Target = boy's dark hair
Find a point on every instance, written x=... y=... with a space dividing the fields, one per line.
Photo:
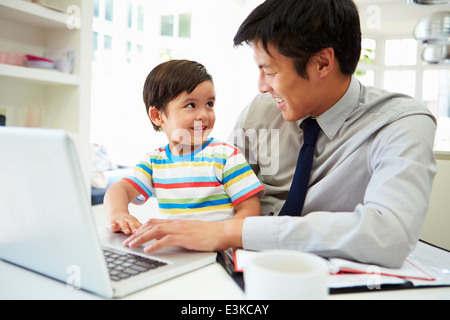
x=301 y=28
x=169 y=79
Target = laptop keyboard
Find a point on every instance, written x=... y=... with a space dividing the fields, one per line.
x=125 y=265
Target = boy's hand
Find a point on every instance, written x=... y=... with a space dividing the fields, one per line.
x=116 y=202
x=125 y=223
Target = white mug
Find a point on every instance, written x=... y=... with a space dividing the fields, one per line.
x=286 y=275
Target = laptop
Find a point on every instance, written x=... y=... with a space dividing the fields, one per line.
x=48 y=226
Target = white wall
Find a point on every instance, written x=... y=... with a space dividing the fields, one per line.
x=437 y=224
x=118 y=113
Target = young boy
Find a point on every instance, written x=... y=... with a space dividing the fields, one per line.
x=193 y=177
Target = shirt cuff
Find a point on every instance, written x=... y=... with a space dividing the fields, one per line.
x=260 y=233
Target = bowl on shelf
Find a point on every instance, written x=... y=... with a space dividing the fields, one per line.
x=12 y=58
x=39 y=62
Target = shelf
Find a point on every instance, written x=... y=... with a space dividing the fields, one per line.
x=32 y=14
x=31 y=28
x=42 y=76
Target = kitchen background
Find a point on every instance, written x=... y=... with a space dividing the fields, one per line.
x=404 y=49
x=80 y=65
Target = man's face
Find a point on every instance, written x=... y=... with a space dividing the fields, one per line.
x=297 y=97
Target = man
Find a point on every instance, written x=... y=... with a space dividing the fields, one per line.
x=373 y=165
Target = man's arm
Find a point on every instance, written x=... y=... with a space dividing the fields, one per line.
x=385 y=227
x=190 y=234
x=381 y=230
x=196 y=235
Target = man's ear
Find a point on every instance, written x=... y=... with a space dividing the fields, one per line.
x=325 y=61
x=155 y=116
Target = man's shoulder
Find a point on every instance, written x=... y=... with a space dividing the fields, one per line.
x=395 y=105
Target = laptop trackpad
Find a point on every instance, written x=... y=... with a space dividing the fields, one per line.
x=115 y=240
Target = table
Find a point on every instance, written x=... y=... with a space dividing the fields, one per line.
x=209 y=283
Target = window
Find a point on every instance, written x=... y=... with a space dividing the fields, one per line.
x=368 y=51
x=133 y=52
x=397 y=67
x=167 y=23
x=108 y=42
x=140 y=18
x=140 y=49
x=401 y=52
x=184 y=26
x=128 y=51
x=130 y=15
x=135 y=19
x=367 y=77
x=431 y=87
x=436 y=96
x=109 y=10
x=95 y=46
x=402 y=81
x=366 y=72
x=104 y=9
x=400 y=61
x=181 y=22
x=175 y=34
x=97 y=8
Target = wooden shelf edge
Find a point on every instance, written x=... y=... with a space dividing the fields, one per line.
x=39 y=75
x=32 y=14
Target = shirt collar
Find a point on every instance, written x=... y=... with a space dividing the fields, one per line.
x=332 y=120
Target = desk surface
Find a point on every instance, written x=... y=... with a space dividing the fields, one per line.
x=208 y=283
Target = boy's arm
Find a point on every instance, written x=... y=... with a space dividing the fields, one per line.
x=248 y=208
x=116 y=202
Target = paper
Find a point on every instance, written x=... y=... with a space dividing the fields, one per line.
x=409 y=270
x=241 y=257
x=346 y=274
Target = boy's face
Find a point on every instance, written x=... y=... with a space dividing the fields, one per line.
x=189 y=119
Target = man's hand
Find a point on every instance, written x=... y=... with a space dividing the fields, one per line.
x=192 y=235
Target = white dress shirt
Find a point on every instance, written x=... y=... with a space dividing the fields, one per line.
x=371 y=179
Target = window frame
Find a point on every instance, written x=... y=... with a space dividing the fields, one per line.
x=380 y=68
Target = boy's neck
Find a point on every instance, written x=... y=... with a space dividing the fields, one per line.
x=180 y=150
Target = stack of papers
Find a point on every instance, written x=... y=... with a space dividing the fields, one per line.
x=425 y=266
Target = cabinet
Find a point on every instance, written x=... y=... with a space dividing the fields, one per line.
x=61 y=99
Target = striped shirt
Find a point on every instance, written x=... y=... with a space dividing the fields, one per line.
x=205 y=184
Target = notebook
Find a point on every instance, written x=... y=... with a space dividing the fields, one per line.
x=48 y=226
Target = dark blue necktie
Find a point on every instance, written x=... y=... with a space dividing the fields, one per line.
x=297 y=194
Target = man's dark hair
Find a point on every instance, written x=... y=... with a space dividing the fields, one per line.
x=169 y=79
x=301 y=28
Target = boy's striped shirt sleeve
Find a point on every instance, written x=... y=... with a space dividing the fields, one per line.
x=142 y=180
x=239 y=180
